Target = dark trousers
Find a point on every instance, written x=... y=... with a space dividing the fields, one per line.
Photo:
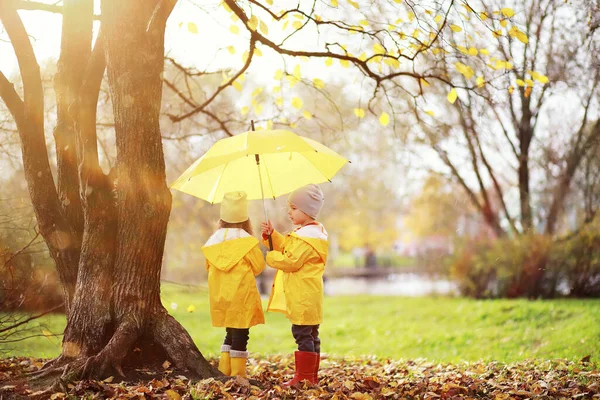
x=307 y=337
x=237 y=338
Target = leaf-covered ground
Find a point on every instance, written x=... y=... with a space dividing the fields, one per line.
x=340 y=379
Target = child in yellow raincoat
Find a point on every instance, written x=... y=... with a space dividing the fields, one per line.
x=233 y=260
x=300 y=259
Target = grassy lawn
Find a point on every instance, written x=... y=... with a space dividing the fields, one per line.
x=346 y=260
x=438 y=329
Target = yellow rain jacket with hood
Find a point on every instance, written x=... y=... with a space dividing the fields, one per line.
x=300 y=259
x=233 y=259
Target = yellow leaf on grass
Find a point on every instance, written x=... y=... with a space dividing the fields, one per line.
x=306 y=114
x=297 y=103
x=172 y=395
x=452 y=96
x=359 y=112
x=192 y=28
x=319 y=84
x=455 y=28
x=191 y=308
x=384 y=118
x=507 y=12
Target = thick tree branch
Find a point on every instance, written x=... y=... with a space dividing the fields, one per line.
x=37 y=6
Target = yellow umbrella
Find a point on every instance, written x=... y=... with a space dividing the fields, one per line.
x=264 y=164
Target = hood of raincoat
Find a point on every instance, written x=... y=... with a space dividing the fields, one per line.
x=227 y=246
x=316 y=236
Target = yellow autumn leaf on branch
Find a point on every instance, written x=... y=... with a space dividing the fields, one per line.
x=296 y=73
x=270 y=2
x=329 y=61
x=253 y=22
x=507 y=12
x=231 y=49
x=245 y=110
x=264 y=29
x=424 y=82
x=297 y=24
x=438 y=19
x=279 y=101
x=429 y=112
x=297 y=103
x=257 y=91
x=192 y=28
x=359 y=112
x=237 y=86
x=455 y=28
x=527 y=91
x=234 y=29
x=378 y=49
x=276 y=89
x=480 y=81
x=278 y=75
x=319 y=84
x=353 y=4
x=384 y=118
x=258 y=109
x=334 y=3
x=452 y=96
x=306 y=114
x=257 y=52
x=345 y=63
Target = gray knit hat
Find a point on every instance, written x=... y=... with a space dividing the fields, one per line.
x=308 y=199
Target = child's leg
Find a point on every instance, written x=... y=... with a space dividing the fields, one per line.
x=225 y=360
x=316 y=339
x=303 y=336
x=239 y=353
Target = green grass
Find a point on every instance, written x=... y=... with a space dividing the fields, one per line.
x=439 y=329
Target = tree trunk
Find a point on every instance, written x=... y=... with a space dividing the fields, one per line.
x=108 y=236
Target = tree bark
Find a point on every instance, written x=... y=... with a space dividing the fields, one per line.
x=107 y=232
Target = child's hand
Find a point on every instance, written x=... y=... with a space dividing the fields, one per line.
x=266 y=228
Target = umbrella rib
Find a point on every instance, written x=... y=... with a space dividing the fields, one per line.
x=216 y=187
x=314 y=166
x=268 y=177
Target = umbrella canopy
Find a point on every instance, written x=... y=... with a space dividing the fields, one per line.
x=264 y=164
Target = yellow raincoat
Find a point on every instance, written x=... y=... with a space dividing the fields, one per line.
x=300 y=259
x=233 y=259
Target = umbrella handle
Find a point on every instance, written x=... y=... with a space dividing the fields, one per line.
x=270 y=242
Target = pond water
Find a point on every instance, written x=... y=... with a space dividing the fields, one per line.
x=393 y=285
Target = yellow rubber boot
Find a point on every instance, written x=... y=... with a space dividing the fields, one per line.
x=238 y=363
x=225 y=360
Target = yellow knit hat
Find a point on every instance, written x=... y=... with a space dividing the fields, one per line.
x=234 y=207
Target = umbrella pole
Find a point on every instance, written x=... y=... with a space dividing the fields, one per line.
x=257 y=157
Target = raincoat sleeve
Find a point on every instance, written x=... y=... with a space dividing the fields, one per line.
x=256 y=260
x=277 y=239
x=292 y=258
